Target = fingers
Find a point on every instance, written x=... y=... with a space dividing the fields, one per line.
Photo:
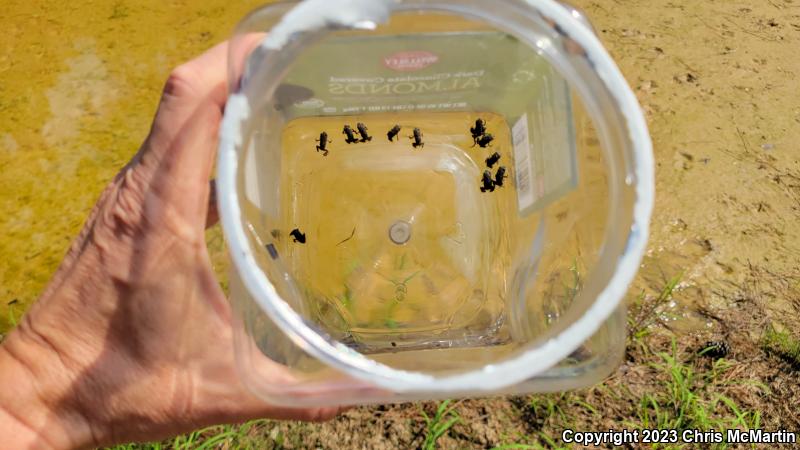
x=178 y=155
x=240 y=48
x=185 y=127
x=281 y=380
x=193 y=100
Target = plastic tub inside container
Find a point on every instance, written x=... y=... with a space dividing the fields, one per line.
x=428 y=199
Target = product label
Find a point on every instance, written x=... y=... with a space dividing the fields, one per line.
x=522 y=163
x=410 y=61
x=544 y=150
x=449 y=71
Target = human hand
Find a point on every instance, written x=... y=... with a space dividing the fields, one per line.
x=132 y=338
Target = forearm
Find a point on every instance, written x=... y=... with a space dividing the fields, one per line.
x=32 y=386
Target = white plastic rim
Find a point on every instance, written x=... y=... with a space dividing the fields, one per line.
x=528 y=363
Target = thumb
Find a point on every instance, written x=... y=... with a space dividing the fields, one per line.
x=184 y=132
x=183 y=137
x=179 y=152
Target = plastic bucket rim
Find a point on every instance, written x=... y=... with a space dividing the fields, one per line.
x=529 y=362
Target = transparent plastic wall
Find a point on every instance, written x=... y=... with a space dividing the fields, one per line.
x=391 y=246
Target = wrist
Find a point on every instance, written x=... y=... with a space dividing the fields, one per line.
x=34 y=386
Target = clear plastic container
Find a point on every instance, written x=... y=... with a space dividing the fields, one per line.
x=383 y=264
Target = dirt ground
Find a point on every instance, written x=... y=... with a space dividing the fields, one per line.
x=718 y=83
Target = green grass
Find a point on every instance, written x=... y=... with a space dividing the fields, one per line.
x=230 y=437
x=684 y=395
x=688 y=400
x=559 y=406
x=643 y=316
x=781 y=344
x=571 y=291
x=436 y=426
x=684 y=391
x=347 y=298
x=548 y=415
x=12 y=313
x=401 y=262
x=551 y=444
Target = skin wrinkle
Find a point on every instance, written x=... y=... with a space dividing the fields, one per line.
x=126 y=206
x=183 y=399
x=10 y=351
x=219 y=305
x=146 y=383
x=123 y=288
x=144 y=256
x=158 y=204
x=208 y=116
x=170 y=219
x=111 y=257
x=140 y=277
x=29 y=330
x=180 y=84
x=78 y=247
x=85 y=293
x=80 y=339
x=166 y=141
x=92 y=384
x=92 y=428
x=133 y=386
x=84 y=237
x=31 y=431
x=22 y=363
x=73 y=407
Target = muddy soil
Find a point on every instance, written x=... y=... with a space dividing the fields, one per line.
x=718 y=83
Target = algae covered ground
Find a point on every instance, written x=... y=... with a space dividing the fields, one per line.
x=718 y=82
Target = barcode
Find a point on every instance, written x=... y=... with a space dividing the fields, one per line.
x=524 y=179
x=522 y=163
